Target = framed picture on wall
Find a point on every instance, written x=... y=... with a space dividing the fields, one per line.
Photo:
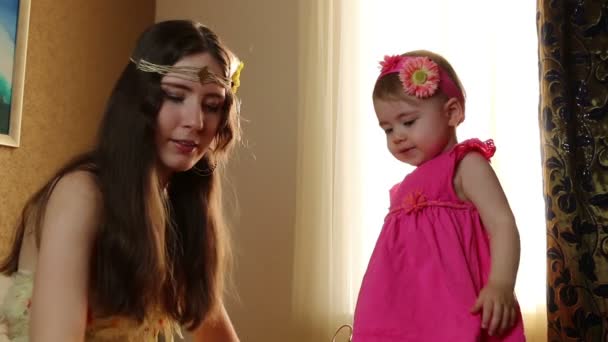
x=14 y=23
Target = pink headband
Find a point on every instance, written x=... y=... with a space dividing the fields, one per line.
x=420 y=76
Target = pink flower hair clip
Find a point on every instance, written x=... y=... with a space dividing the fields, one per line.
x=389 y=64
x=420 y=77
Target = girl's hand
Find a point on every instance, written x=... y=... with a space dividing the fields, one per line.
x=497 y=304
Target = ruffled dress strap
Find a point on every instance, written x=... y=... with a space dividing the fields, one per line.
x=485 y=148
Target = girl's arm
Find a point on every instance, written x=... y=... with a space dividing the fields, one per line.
x=60 y=295
x=476 y=181
x=481 y=186
x=216 y=329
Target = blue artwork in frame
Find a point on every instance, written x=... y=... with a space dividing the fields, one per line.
x=14 y=22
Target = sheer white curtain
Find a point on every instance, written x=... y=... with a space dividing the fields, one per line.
x=345 y=170
x=492 y=45
x=328 y=199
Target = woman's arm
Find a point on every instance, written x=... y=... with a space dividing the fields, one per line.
x=60 y=295
x=216 y=329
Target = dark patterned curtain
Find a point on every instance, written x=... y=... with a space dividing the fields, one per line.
x=573 y=56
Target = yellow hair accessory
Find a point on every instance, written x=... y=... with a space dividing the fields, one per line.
x=236 y=77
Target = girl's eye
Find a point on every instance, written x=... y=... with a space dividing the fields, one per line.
x=388 y=130
x=409 y=123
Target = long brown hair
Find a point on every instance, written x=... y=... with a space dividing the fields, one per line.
x=153 y=249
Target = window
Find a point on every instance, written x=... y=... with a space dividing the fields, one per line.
x=493 y=47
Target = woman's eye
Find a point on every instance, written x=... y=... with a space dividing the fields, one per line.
x=173 y=97
x=211 y=108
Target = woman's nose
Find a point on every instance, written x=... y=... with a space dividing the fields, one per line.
x=195 y=118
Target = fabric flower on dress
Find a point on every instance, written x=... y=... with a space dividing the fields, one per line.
x=414 y=202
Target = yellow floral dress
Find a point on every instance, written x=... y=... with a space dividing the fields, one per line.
x=14 y=313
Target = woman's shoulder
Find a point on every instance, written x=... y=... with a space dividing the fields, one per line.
x=75 y=203
x=78 y=185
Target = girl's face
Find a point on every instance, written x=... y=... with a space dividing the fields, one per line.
x=189 y=117
x=417 y=130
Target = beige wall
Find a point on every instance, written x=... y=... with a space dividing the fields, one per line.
x=264 y=34
x=76 y=50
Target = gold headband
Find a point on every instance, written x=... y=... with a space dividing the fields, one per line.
x=194 y=74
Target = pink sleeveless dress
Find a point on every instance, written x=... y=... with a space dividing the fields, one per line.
x=430 y=262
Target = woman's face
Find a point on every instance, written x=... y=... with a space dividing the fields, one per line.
x=189 y=117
